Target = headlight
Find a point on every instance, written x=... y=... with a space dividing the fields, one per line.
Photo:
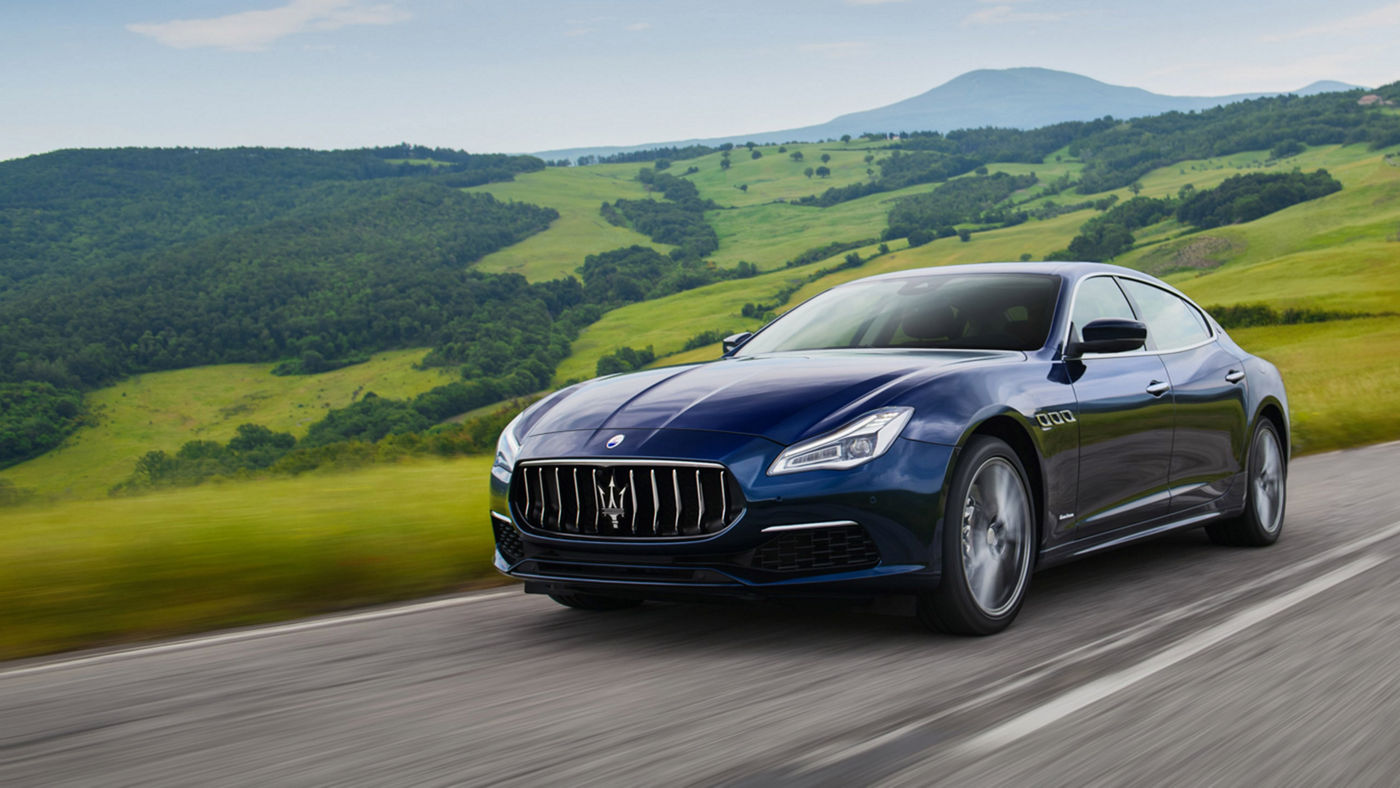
x=858 y=442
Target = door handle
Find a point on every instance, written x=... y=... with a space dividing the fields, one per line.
x=1157 y=388
x=1234 y=376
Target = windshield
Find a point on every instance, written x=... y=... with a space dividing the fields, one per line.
x=963 y=311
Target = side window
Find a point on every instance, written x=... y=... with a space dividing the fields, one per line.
x=1098 y=298
x=1171 y=322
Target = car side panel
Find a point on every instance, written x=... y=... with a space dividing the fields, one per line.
x=1211 y=422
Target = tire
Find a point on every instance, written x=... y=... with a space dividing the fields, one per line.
x=595 y=602
x=989 y=540
x=1266 y=494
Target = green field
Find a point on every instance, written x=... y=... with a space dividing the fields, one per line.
x=163 y=410
x=576 y=193
x=89 y=573
x=1338 y=252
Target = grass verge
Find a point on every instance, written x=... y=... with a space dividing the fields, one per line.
x=94 y=573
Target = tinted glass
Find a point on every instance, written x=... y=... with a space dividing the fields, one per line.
x=1171 y=322
x=1099 y=298
x=985 y=311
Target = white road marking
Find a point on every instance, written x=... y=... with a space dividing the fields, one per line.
x=1110 y=642
x=1068 y=703
x=261 y=632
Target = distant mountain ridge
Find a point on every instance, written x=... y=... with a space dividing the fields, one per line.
x=1022 y=98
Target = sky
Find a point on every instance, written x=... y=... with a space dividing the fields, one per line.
x=530 y=75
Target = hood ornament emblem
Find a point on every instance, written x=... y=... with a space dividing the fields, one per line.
x=615 y=441
x=614 y=501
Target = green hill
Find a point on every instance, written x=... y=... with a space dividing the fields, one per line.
x=319 y=259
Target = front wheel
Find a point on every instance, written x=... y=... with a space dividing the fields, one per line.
x=989 y=543
x=1266 y=493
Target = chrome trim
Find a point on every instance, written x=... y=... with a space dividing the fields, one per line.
x=809 y=526
x=502 y=518
x=1185 y=522
x=1069 y=315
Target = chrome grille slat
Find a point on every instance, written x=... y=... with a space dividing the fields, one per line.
x=700 y=500
x=621 y=497
x=676 y=488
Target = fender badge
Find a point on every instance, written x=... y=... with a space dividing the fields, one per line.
x=615 y=441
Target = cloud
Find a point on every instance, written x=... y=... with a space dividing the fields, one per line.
x=253 y=31
x=871 y=2
x=836 y=48
x=1387 y=16
x=637 y=27
x=1007 y=14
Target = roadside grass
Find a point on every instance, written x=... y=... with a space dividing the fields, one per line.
x=1343 y=379
x=576 y=193
x=96 y=573
x=163 y=410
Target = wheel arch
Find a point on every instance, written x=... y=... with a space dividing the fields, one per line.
x=1011 y=431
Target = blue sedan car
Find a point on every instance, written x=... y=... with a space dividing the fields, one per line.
x=935 y=433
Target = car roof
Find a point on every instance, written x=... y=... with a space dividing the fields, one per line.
x=1068 y=270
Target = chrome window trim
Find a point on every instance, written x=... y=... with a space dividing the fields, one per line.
x=1074 y=296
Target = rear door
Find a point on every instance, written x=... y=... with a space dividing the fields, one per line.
x=1208 y=391
x=1124 y=423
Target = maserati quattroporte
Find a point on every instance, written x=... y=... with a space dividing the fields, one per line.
x=937 y=433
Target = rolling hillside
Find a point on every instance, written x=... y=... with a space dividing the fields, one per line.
x=784 y=233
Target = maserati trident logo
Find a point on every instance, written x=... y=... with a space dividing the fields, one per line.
x=614 y=500
x=615 y=441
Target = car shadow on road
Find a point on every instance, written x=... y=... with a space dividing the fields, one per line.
x=1115 y=588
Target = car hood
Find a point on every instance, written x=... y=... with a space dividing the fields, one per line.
x=783 y=397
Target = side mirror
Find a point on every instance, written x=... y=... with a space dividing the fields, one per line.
x=1108 y=335
x=735 y=341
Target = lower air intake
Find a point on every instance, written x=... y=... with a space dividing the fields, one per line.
x=837 y=547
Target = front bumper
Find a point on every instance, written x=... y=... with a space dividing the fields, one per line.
x=895 y=500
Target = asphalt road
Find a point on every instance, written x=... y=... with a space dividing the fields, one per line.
x=1170 y=662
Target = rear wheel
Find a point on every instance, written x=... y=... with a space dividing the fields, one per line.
x=594 y=601
x=1266 y=494
x=989 y=541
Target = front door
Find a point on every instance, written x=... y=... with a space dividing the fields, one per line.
x=1125 y=419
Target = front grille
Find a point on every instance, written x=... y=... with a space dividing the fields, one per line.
x=507 y=540
x=626 y=500
x=838 y=547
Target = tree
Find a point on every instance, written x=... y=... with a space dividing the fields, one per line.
x=750 y=144
x=845 y=138
x=884 y=248
x=724 y=163
x=782 y=149
x=869 y=157
x=808 y=172
x=758 y=154
x=1135 y=188
x=826 y=157
x=823 y=172
x=964 y=235
x=795 y=155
